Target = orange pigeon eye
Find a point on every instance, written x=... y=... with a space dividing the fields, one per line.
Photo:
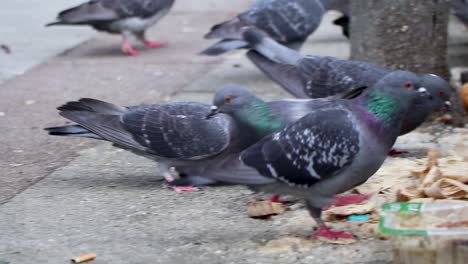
x=441 y=94
x=228 y=99
x=408 y=85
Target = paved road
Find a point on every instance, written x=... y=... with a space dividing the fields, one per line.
x=23 y=31
x=98 y=198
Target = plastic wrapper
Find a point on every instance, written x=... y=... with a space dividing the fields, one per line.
x=427 y=233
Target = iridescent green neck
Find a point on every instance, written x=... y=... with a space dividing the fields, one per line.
x=258 y=116
x=383 y=107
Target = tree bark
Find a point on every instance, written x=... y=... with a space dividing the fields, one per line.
x=401 y=34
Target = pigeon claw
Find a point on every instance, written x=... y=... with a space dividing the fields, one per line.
x=128 y=49
x=325 y=232
x=180 y=189
x=275 y=198
x=152 y=45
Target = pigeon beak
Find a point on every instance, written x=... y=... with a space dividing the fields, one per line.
x=424 y=91
x=214 y=111
x=448 y=105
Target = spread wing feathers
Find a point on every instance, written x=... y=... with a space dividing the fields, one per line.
x=286 y=75
x=326 y=76
x=317 y=146
x=179 y=130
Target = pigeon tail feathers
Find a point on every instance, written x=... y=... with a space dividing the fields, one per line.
x=224 y=46
x=269 y=48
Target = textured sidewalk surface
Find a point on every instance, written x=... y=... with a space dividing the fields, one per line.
x=62 y=197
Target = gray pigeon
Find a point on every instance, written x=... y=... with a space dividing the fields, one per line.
x=126 y=17
x=172 y=134
x=318 y=76
x=333 y=148
x=460 y=10
x=287 y=21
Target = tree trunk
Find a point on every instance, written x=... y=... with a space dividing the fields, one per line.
x=401 y=34
x=404 y=34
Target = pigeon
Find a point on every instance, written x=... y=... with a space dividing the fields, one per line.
x=287 y=21
x=460 y=10
x=126 y=17
x=172 y=134
x=331 y=149
x=323 y=76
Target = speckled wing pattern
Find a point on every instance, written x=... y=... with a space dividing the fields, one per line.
x=285 y=21
x=327 y=76
x=315 y=147
x=178 y=130
x=136 y=8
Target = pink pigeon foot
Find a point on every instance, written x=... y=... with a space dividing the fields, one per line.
x=276 y=199
x=394 y=152
x=180 y=189
x=325 y=232
x=128 y=49
x=350 y=199
x=347 y=200
x=151 y=45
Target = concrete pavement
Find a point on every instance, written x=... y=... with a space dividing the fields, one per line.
x=30 y=42
x=65 y=197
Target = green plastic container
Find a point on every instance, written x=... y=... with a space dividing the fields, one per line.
x=427 y=233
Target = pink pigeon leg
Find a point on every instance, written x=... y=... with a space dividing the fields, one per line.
x=165 y=169
x=326 y=232
x=347 y=200
x=152 y=45
x=275 y=198
x=127 y=48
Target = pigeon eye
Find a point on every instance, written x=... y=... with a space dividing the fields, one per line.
x=408 y=85
x=228 y=99
x=441 y=94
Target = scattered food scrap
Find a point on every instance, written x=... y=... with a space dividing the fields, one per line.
x=444 y=178
x=264 y=209
x=286 y=244
x=339 y=212
x=84 y=258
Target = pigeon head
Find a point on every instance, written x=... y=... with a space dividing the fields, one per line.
x=230 y=99
x=391 y=97
x=439 y=89
x=250 y=112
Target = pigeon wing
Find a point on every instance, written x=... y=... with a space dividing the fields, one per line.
x=179 y=131
x=317 y=146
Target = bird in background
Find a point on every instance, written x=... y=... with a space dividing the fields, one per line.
x=323 y=76
x=331 y=149
x=288 y=21
x=130 y=18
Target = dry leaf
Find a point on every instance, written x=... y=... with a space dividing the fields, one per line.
x=447 y=188
x=262 y=209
